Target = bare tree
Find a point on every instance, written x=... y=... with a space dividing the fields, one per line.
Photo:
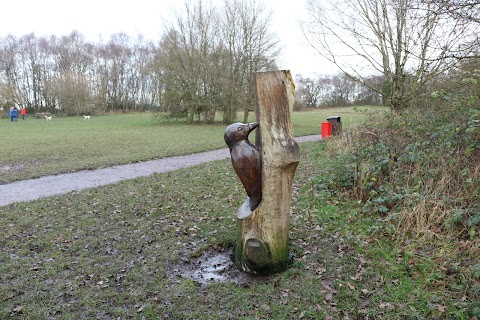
x=141 y=83
x=70 y=90
x=343 y=90
x=47 y=62
x=460 y=9
x=191 y=57
x=72 y=66
x=251 y=47
x=309 y=90
x=409 y=42
x=203 y=63
x=118 y=55
x=337 y=90
x=10 y=71
x=366 y=96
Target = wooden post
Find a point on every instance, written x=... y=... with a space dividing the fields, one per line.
x=262 y=241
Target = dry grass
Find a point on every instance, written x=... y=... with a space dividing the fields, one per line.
x=439 y=211
x=421 y=175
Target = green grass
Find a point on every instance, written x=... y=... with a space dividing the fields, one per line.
x=36 y=147
x=105 y=253
x=309 y=122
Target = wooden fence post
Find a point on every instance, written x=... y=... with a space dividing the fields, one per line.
x=263 y=236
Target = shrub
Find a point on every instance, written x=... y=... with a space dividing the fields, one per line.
x=420 y=168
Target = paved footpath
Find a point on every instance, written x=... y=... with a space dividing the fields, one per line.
x=32 y=189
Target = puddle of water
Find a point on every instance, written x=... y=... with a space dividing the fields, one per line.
x=212 y=266
x=214 y=269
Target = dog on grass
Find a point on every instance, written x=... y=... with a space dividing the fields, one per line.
x=86 y=117
x=48 y=117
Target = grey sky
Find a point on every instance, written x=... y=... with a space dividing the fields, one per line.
x=95 y=18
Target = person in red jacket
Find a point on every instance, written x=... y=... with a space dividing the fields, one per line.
x=23 y=112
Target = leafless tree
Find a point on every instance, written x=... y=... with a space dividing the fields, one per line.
x=343 y=90
x=10 y=72
x=309 y=90
x=70 y=74
x=409 y=42
x=251 y=47
x=205 y=70
x=460 y=9
x=118 y=54
x=118 y=75
x=142 y=80
x=336 y=90
x=366 y=96
x=203 y=64
x=189 y=57
x=70 y=89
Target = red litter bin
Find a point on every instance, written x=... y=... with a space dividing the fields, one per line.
x=326 y=129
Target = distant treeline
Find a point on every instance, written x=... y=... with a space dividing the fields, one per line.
x=337 y=90
x=202 y=64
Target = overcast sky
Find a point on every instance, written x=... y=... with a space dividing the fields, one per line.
x=95 y=18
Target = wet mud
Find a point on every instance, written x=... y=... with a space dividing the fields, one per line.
x=211 y=267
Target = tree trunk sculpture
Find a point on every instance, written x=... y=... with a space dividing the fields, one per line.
x=263 y=227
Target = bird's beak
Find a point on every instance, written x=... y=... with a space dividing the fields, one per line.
x=252 y=126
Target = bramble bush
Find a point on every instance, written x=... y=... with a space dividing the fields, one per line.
x=420 y=168
x=416 y=176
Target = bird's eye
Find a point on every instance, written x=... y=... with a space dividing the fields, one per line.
x=240 y=128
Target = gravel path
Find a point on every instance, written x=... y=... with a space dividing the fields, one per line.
x=27 y=190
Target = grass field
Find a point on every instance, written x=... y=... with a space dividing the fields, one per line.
x=108 y=252
x=36 y=147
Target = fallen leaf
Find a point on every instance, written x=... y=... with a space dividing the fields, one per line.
x=387 y=305
x=320 y=271
x=18 y=309
x=350 y=286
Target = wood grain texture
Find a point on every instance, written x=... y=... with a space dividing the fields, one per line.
x=262 y=242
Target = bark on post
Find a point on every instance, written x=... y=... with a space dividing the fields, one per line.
x=263 y=236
